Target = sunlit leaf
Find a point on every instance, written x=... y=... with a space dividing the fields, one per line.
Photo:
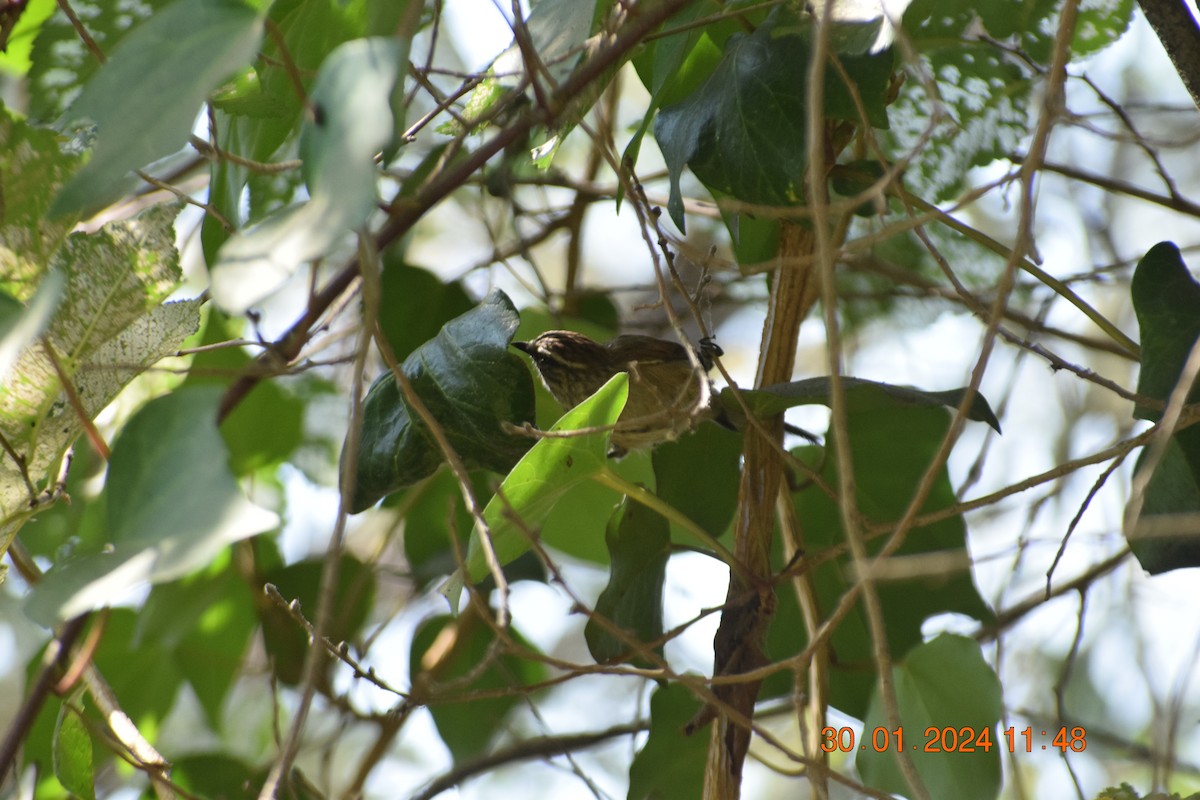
x=172 y=506
x=540 y=479
x=941 y=684
x=144 y=100
x=670 y=764
x=73 y=754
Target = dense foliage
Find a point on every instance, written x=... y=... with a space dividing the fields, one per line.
x=283 y=502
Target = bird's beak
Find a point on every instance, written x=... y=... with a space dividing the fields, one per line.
x=524 y=347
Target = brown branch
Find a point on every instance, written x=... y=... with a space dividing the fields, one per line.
x=539 y=747
x=55 y=656
x=1180 y=36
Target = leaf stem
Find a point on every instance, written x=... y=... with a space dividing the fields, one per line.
x=1058 y=286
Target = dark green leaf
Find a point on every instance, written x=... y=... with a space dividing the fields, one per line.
x=144 y=101
x=639 y=545
x=471 y=382
x=1166 y=299
x=172 y=507
x=743 y=131
x=216 y=775
x=1167 y=533
x=941 y=684
x=670 y=764
x=73 y=754
x=707 y=494
x=861 y=396
x=465 y=642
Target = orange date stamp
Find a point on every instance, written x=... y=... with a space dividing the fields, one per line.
x=949 y=739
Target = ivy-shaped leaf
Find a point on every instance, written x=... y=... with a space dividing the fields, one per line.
x=892 y=440
x=861 y=396
x=470 y=381
x=743 y=131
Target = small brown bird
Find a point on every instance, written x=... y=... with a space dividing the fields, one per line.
x=665 y=390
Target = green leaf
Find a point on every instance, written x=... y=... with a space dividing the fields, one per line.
x=73 y=754
x=172 y=507
x=944 y=683
x=639 y=544
x=1166 y=299
x=215 y=775
x=144 y=101
x=141 y=673
x=743 y=131
x=205 y=621
x=670 y=764
x=1099 y=25
x=467 y=725
x=892 y=443
x=33 y=165
x=272 y=109
x=985 y=94
x=540 y=479
x=577 y=523
x=356 y=115
x=861 y=396
x=1166 y=535
x=16 y=59
x=706 y=496
x=470 y=382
